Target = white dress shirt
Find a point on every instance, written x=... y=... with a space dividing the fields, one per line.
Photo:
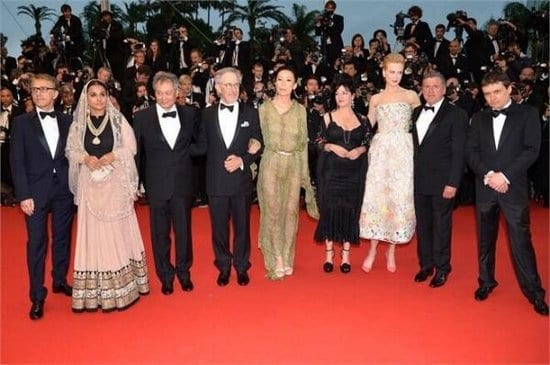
x=425 y=119
x=51 y=130
x=498 y=124
x=228 y=122
x=170 y=126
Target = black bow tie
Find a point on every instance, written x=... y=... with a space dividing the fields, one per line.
x=425 y=107
x=496 y=113
x=229 y=107
x=47 y=114
x=5 y=110
x=171 y=114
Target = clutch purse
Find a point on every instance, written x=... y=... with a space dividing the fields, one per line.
x=102 y=173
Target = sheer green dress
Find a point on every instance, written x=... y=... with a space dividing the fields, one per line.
x=283 y=171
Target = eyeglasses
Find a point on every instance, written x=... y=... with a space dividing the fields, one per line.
x=230 y=86
x=42 y=89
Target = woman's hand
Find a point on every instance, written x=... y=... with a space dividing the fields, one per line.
x=337 y=150
x=107 y=159
x=356 y=152
x=92 y=162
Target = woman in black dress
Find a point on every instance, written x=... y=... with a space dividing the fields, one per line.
x=341 y=176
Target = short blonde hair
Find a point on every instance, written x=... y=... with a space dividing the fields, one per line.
x=393 y=58
x=46 y=77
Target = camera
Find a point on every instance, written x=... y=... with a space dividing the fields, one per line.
x=270 y=92
x=99 y=33
x=322 y=97
x=68 y=77
x=453 y=18
x=173 y=32
x=399 y=24
x=315 y=57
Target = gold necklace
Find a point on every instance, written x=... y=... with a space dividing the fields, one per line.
x=97 y=131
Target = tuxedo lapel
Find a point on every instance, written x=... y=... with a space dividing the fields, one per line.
x=436 y=120
x=508 y=123
x=415 y=115
x=180 y=133
x=35 y=120
x=238 y=126
x=490 y=129
x=218 y=127
x=157 y=127
x=59 y=150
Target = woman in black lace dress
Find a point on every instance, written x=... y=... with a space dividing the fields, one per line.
x=341 y=176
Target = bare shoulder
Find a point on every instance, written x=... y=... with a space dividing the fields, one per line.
x=412 y=98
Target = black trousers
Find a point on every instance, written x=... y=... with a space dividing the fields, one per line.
x=60 y=205
x=236 y=209
x=433 y=228
x=521 y=247
x=165 y=215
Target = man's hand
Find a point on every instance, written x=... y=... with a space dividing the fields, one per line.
x=27 y=206
x=449 y=192
x=232 y=163
x=497 y=181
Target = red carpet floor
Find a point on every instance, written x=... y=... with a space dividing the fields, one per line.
x=309 y=318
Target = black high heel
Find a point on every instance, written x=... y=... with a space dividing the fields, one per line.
x=329 y=266
x=345 y=267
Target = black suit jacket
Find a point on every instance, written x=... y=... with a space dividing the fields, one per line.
x=168 y=173
x=31 y=162
x=422 y=34
x=243 y=56
x=219 y=182
x=460 y=69
x=439 y=159
x=518 y=148
x=441 y=50
x=74 y=31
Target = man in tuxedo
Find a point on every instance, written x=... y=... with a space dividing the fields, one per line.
x=68 y=29
x=330 y=27
x=418 y=31
x=439 y=136
x=167 y=136
x=180 y=51
x=477 y=48
x=40 y=176
x=231 y=129
x=439 y=45
x=502 y=143
x=115 y=49
x=451 y=63
x=8 y=63
x=238 y=52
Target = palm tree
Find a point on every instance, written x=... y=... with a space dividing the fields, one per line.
x=91 y=14
x=134 y=14
x=253 y=12
x=38 y=14
x=303 y=24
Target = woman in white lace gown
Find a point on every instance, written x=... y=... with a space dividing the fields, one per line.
x=387 y=212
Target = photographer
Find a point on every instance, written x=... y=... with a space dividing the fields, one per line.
x=199 y=71
x=237 y=53
x=180 y=51
x=373 y=64
x=314 y=122
x=8 y=112
x=68 y=36
x=137 y=60
x=415 y=64
x=296 y=49
x=452 y=63
x=8 y=63
x=154 y=57
x=314 y=66
x=66 y=104
x=109 y=35
x=439 y=46
x=476 y=48
x=330 y=27
x=418 y=31
x=143 y=98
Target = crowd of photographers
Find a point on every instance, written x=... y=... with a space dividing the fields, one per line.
x=128 y=65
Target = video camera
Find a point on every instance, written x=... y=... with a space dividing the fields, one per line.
x=99 y=33
x=453 y=18
x=399 y=24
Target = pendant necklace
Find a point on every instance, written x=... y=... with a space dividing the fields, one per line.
x=97 y=131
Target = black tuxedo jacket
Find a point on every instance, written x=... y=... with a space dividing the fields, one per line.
x=334 y=32
x=460 y=69
x=243 y=57
x=518 y=148
x=174 y=61
x=74 y=31
x=219 y=182
x=441 y=50
x=167 y=173
x=31 y=162
x=422 y=34
x=439 y=159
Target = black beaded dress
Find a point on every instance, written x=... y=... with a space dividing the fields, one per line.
x=341 y=184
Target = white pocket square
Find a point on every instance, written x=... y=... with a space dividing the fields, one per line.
x=245 y=124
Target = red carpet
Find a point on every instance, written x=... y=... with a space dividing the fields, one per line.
x=309 y=318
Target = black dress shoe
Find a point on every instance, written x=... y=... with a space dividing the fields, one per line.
x=223 y=279
x=242 y=278
x=540 y=307
x=187 y=284
x=328 y=267
x=438 y=280
x=167 y=288
x=345 y=268
x=423 y=275
x=63 y=288
x=483 y=292
x=37 y=309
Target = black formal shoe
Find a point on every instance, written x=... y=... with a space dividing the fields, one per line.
x=438 y=280
x=423 y=275
x=37 y=309
x=63 y=288
x=167 y=288
x=328 y=266
x=540 y=307
x=223 y=279
x=483 y=292
x=187 y=284
x=242 y=278
x=345 y=268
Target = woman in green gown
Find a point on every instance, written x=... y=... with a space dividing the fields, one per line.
x=283 y=171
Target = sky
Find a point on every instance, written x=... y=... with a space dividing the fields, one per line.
x=360 y=16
